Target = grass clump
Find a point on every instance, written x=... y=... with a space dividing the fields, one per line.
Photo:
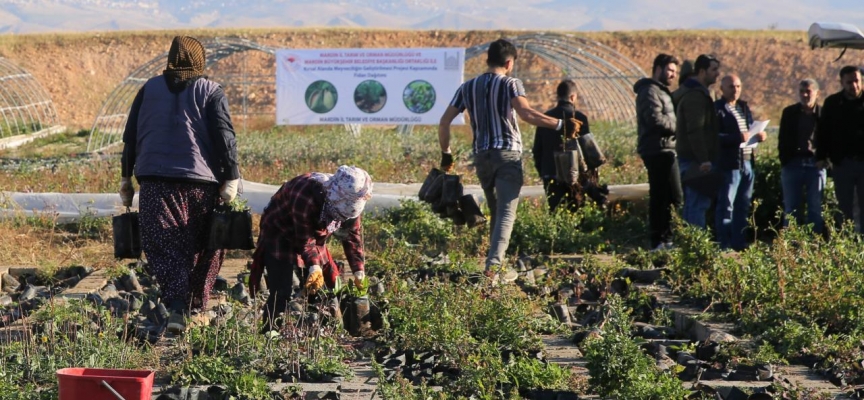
x=618 y=366
x=489 y=334
x=75 y=334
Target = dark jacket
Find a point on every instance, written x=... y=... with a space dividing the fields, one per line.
x=697 y=127
x=548 y=141
x=729 y=152
x=655 y=117
x=677 y=94
x=180 y=131
x=788 y=140
x=840 y=130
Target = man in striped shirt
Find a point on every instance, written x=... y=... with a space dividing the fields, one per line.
x=735 y=165
x=493 y=100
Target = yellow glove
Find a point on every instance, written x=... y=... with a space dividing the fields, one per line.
x=358 y=278
x=315 y=280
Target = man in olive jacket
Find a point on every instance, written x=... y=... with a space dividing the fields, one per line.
x=697 y=134
x=656 y=145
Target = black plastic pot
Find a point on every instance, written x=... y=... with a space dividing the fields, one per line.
x=427 y=183
x=355 y=314
x=456 y=215
x=567 y=166
x=433 y=193
x=231 y=230
x=440 y=209
x=127 y=235
x=451 y=190
x=591 y=152
x=471 y=210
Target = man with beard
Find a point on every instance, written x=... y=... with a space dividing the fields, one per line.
x=697 y=135
x=656 y=145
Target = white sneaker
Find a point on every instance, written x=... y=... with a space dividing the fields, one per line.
x=509 y=275
x=506 y=275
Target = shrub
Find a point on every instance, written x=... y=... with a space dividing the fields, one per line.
x=619 y=368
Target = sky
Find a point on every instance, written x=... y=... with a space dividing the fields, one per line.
x=30 y=16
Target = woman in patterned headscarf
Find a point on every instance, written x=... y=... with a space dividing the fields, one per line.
x=179 y=143
x=294 y=229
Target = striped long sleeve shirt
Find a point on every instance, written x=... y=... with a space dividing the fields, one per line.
x=487 y=98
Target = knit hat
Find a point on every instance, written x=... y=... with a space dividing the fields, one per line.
x=347 y=192
x=185 y=58
x=686 y=71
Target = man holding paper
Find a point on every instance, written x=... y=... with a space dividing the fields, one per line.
x=739 y=136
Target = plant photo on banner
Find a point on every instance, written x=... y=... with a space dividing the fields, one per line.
x=321 y=96
x=419 y=96
x=370 y=96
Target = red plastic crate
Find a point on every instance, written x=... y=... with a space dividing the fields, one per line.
x=86 y=384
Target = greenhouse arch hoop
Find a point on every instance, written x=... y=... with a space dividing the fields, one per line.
x=111 y=121
x=604 y=78
x=25 y=106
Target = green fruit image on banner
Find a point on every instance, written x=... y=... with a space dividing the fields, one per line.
x=321 y=97
x=419 y=96
x=370 y=96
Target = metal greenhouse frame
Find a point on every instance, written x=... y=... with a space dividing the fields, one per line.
x=25 y=106
x=110 y=122
x=604 y=78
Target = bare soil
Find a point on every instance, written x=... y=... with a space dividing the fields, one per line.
x=80 y=70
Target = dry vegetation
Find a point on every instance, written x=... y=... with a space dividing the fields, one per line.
x=80 y=70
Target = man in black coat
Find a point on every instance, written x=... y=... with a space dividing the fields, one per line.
x=548 y=141
x=801 y=177
x=840 y=138
x=656 y=145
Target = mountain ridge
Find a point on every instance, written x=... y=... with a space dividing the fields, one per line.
x=40 y=16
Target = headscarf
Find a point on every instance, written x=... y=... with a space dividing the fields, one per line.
x=185 y=59
x=346 y=193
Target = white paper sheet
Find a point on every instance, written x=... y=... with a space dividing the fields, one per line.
x=758 y=126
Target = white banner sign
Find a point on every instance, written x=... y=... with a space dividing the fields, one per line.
x=366 y=86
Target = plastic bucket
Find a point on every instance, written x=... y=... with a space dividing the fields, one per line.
x=90 y=383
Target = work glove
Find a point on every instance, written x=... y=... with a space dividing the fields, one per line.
x=127 y=191
x=446 y=162
x=315 y=280
x=228 y=191
x=571 y=128
x=358 y=278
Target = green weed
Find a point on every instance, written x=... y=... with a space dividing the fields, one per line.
x=614 y=358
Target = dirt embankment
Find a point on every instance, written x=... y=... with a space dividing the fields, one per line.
x=80 y=70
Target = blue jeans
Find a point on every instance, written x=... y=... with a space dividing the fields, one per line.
x=733 y=206
x=849 y=181
x=695 y=203
x=801 y=177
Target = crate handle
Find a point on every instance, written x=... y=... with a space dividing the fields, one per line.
x=114 y=392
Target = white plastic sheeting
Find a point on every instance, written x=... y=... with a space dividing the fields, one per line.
x=828 y=34
x=68 y=208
